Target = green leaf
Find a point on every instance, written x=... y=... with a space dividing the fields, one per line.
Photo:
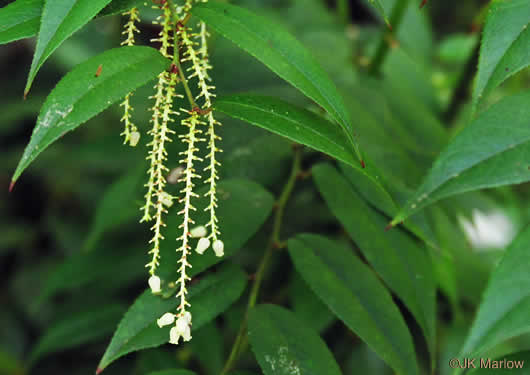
x=512 y=364
x=19 y=19
x=492 y=151
x=301 y=126
x=59 y=20
x=403 y=265
x=282 y=53
x=262 y=158
x=307 y=307
x=384 y=202
x=86 y=269
x=353 y=292
x=86 y=327
x=503 y=312
x=504 y=50
x=80 y=95
x=283 y=345
x=243 y=208
x=290 y=121
x=172 y=372
x=116 y=207
x=138 y=329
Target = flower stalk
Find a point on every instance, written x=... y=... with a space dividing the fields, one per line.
x=189 y=174
x=130 y=131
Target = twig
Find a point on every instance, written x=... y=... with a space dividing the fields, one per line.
x=241 y=339
x=384 y=43
x=461 y=93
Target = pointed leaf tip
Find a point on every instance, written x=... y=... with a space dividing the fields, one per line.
x=11 y=186
x=99 y=370
x=363 y=164
x=423 y=3
x=282 y=53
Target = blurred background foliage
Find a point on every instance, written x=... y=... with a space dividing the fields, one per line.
x=69 y=269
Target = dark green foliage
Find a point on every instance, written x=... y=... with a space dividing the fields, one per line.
x=373 y=199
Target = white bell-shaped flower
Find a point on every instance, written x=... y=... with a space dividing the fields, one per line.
x=219 y=248
x=198 y=232
x=187 y=317
x=182 y=329
x=202 y=245
x=154 y=284
x=166 y=319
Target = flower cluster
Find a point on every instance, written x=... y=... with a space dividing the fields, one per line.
x=187 y=49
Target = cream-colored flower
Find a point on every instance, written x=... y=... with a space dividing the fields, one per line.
x=166 y=319
x=202 y=245
x=219 y=248
x=199 y=232
x=154 y=284
x=182 y=329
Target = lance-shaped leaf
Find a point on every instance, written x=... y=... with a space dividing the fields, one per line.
x=21 y=18
x=505 y=306
x=403 y=265
x=504 y=50
x=282 y=53
x=82 y=94
x=310 y=129
x=355 y=294
x=284 y=345
x=59 y=20
x=304 y=127
x=290 y=121
x=492 y=151
x=138 y=328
